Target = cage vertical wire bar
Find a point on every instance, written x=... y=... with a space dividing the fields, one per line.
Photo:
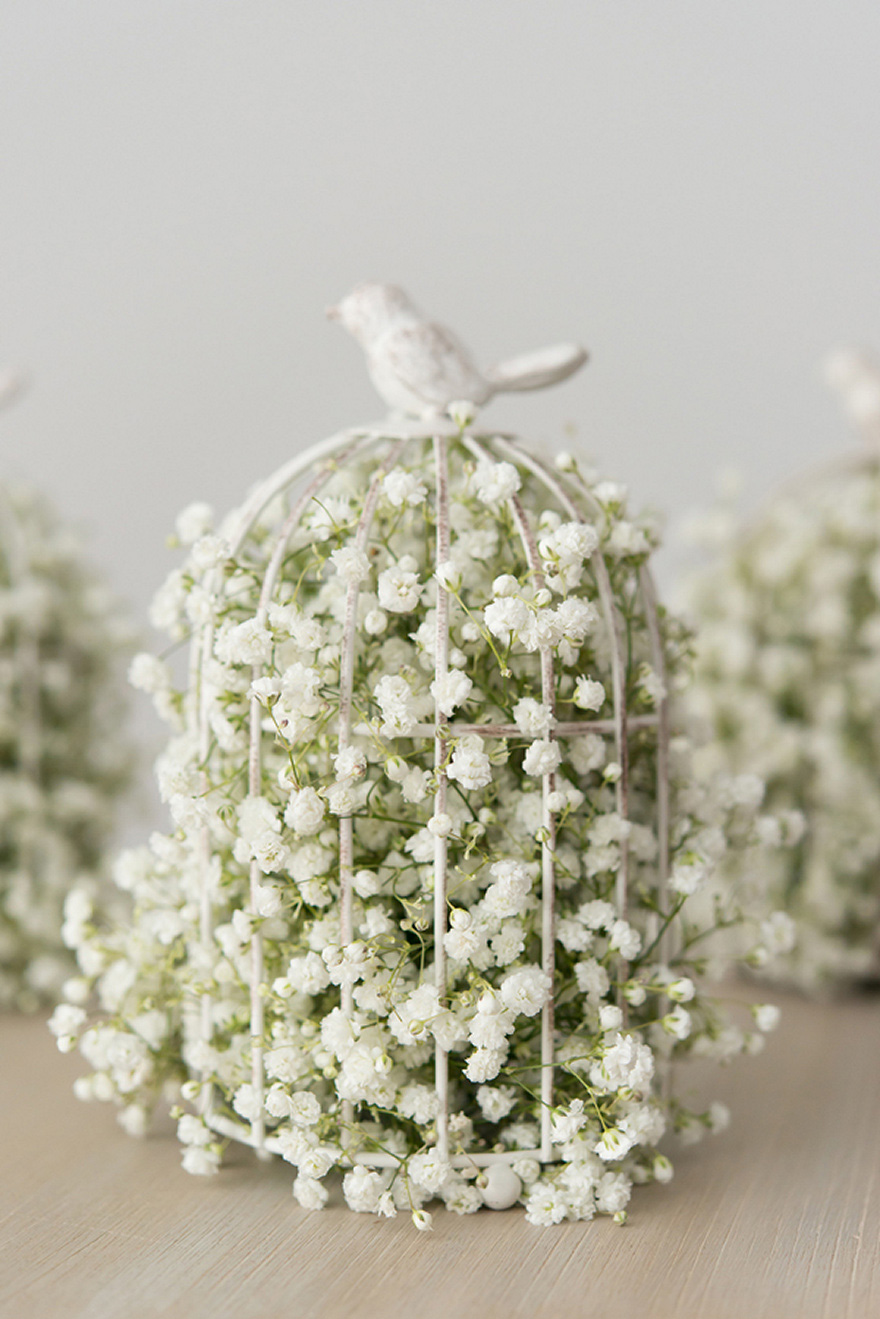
x=618 y=669
x=548 y=852
x=665 y=933
x=548 y=831
x=200 y=650
x=258 y=1124
x=548 y=855
x=649 y=592
x=346 y=693
x=255 y=781
x=441 y=667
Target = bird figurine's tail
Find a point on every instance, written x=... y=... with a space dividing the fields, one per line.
x=536 y=370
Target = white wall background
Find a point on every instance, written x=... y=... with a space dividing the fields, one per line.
x=691 y=188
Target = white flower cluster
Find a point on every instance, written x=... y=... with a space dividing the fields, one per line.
x=63 y=761
x=788 y=682
x=355 y=785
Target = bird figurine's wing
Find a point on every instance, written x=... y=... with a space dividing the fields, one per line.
x=536 y=370
x=428 y=362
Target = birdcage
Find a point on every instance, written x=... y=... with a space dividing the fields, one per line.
x=788 y=677
x=424 y=913
x=392 y=464
x=63 y=762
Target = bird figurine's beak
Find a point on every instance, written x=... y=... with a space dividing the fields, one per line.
x=333 y=314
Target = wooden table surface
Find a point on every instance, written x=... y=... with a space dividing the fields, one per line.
x=777 y=1217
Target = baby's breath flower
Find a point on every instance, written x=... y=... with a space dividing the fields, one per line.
x=766 y=1016
x=149 y=674
x=612 y=493
x=719 y=1117
x=351 y=563
x=201 y=1160
x=526 y=991
x=662 y=1168
x=350 y=763
x=249 y=642
x=210 y=552
x=625 y=939
x=495 y=482
x=778 y=933
x=677 y=1023
x=613 y=1144
x=451 y=690
x=401 y=488
x=545 y=1204
x=610 y=1016
x=194 y=521
x=533 y=718
x=589 y=694
x=469 y=765
x=448 y=575
x=304 y=812
x=542 y=758
x=264 y=690
x=399 y=589
x=309 y=1192
x=395 y=699
x=687 y=877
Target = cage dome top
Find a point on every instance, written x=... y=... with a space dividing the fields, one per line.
x=438 y=864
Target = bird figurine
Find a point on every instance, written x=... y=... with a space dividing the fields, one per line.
x=419 y=367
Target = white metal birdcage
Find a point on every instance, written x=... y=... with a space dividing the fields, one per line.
x=426 y=913
x=302 y=482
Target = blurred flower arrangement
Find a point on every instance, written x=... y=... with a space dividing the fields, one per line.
x=788 y=680
x=439 y=892
x=63 y=762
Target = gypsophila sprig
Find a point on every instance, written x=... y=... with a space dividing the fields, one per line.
x=788 y=679
x=414 y=913
x=64 y=758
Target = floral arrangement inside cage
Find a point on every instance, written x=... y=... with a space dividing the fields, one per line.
x=788 y=677
x=433 y=907
x=63 y=761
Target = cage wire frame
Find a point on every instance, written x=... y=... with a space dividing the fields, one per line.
x=322 y=460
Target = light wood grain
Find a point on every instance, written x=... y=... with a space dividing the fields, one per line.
x=777 y=1218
